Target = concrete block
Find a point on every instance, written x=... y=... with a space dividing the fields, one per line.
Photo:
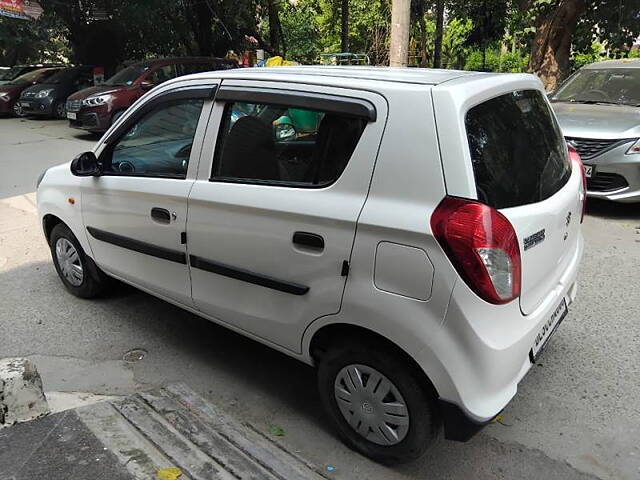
x=21 y=395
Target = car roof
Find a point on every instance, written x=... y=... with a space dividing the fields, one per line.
x=169 y=60
x=424 y=76
x=620 y=63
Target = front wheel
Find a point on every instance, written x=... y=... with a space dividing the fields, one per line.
x=17 y=110
x=377 y=402
x=79 y=274
x=59 y=110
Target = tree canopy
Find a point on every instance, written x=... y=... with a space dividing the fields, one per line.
x=549 y=37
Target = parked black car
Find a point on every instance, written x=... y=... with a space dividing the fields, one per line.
x=48 y=99
x=14 y=72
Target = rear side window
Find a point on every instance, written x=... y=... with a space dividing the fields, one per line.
x=517 y=150
x=280 y=145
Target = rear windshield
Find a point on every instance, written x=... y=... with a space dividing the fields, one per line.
x=517 y=150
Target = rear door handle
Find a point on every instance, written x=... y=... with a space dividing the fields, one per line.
x=161 y=215
x=309 y=240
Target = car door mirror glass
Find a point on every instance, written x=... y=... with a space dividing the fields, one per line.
x=146 y=85
x=86 y=165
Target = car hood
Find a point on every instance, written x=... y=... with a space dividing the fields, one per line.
x=88 y=92
x=41 y=86
x=598 y=121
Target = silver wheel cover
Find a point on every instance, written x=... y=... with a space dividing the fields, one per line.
x=371 y=404
x=69 y=262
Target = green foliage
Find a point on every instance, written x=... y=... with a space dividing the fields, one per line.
x=23 y=41
x=580 y=59
x=454 y=42
x=508 y=62
x=149 y=28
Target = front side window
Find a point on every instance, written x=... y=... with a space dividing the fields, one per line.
x=517 y=150
x=158 y=144
x=261 y=143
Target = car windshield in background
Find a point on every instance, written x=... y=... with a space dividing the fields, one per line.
x=10 y=74
x=517 y=150
x=61 y=76
x=126 y=76
x=615 y=86
x=27 y=78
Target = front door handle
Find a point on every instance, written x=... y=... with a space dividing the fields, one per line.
x=309 y=240
x=161 y=215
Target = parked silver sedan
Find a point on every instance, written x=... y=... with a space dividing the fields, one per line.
x=599 y=112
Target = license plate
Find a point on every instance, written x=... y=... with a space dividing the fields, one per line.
x=25 y=104
x=72 y=116
x=548 y=329
x=588 y=170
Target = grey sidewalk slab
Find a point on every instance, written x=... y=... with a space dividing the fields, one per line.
x=137 y=436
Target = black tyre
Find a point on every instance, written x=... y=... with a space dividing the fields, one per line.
x=59 y=110
x=116 y=116
x=17 y=109
x=78 y=272
x=377 y=402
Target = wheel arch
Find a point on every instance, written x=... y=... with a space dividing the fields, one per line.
x=49 y=221
x=332 y=333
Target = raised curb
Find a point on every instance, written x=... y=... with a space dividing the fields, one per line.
x=21 y=395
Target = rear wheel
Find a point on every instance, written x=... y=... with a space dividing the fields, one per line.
x=79 y=274
x=377 y=402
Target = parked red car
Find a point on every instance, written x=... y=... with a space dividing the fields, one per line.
x=10 y=91
x=96 y=108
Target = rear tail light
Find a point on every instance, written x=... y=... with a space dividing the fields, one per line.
x=574 y=156
x=482 y=246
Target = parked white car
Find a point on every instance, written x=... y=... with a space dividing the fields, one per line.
x=415 y=234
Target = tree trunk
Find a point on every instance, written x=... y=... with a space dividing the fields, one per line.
x=274 y=27
x=437 y=44
x=204 y=23
x=424 y=55
x=400 y=20
x=344 y=34
x=552 y=43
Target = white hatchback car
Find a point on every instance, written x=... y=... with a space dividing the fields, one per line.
x=415 y=234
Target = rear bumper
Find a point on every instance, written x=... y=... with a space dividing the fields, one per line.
x=482 y=352
x=457 y=425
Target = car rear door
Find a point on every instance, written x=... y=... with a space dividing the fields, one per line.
x=520 y=166
x=272 y=215
x=136 y=212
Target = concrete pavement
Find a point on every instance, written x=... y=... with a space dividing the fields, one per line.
x=29 y=146
x=150 y=435
x=576 y=415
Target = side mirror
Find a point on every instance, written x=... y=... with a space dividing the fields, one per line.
x=146 y=85
x=86 y=165
x=284 y=131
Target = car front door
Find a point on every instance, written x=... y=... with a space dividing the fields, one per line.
x=272 y=216
x=135 y=213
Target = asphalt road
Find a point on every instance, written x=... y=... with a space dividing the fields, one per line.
x=576 y=415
